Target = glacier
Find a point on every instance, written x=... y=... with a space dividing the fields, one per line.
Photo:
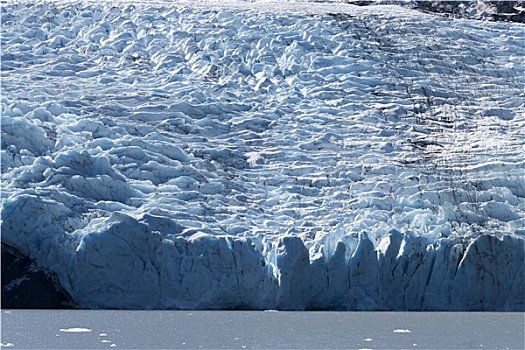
x=260 y=155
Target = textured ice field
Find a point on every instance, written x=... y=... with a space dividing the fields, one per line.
x=256 y=155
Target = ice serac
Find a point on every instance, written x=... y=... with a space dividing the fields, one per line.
x=490 y=275
x=118 y=242
x=448 y=254
x=293 y=274
x=143 y=270
x=364 y=274
x=338 y=282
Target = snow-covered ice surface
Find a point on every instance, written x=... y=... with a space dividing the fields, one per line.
x=263 y=155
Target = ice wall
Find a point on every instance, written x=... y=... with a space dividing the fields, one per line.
x=122 y=263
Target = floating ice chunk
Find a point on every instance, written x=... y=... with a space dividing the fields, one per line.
x=75 y=330
x=402 y=330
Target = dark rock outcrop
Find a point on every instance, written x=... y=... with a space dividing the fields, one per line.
x=26 y=286
x=493 y=10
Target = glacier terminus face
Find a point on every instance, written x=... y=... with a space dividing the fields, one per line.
x=241 y=155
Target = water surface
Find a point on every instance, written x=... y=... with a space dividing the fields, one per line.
x=90 y=329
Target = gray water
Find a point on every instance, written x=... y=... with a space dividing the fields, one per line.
x=83 y=329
